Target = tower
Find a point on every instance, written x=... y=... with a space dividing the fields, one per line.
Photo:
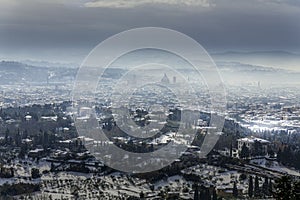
x=165 y=79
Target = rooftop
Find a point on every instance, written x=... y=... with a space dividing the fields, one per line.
x=252 y=140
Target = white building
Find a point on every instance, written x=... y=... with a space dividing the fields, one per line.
x=250 y=141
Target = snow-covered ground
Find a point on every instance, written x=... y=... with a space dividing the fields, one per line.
x=274 y=165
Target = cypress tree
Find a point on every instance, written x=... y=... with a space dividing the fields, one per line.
x=245 y=153
x=270 y=187
x=208 y=195
x=256 y=187
x=265 y=186
x=196 y=193
x=250 y=188
x=279 y=154
x=235 y=190
x=215 y=197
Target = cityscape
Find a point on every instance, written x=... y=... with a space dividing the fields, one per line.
x=43 y=155
x=172 y=120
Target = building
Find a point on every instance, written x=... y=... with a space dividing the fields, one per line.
x=250 y=144
x=227 y=191
x=36 y=153
x=165 y=79
x=174 y=79
x=226 y=152
x=85 y=112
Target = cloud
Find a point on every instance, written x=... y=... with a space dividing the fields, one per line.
x=136 y=3
x=65 y=29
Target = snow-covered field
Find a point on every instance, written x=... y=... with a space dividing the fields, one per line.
x=274 y=165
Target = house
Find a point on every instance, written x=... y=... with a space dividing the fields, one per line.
x=36 y=153
x=227 y=192
x=226 y=152
x=250 y=144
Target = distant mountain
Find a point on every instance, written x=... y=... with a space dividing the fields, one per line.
x=242 y=67
x=50 y=64
x=15 y=73
x=240 y=73
x=231 y=72
x=260 y=53
x=274 y=59
x=12 y=72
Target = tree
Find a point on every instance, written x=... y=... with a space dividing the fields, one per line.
x=256 y=187
x=231 y=149
x=271 y=152
x=23 y=150
x=296 y=191
x=279 y=154
x=204 y=193
x=12 y=172
x=243 y=177
x=7 y=136
x=245 y=151
x=235 y=190
x=196 y=193
x=265 y=187
x=250 y=188
x=75 y=191
x=35 y=173
x=45 y=139
x=257 y=149
x=208 y=195
x=214 y=195
x=152 y=188
x=283 y=188
x=286 y=189
x=142 y=195
x=286 y=156
x=270 y=187
x=52 y=168
x=18 y=139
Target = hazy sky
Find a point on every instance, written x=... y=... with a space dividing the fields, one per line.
x=66 y=30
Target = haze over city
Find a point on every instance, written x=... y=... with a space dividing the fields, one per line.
x=149 y=99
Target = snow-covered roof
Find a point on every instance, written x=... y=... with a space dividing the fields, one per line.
x=252 y=140
x=28 y=116
x=36 y=150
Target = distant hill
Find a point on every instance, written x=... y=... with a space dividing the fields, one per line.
x=275 y=59
x=17 y=73
x=234 y=72
x=259 y=53
x=240 y=73
x=49 y=64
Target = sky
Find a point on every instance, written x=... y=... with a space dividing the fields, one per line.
x=67 y=30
